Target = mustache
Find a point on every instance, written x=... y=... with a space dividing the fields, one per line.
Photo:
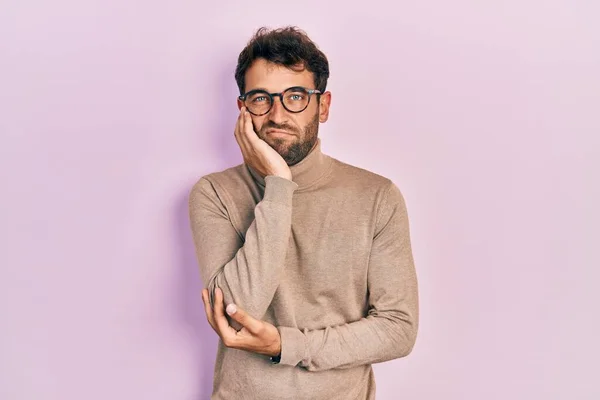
x=283 y=127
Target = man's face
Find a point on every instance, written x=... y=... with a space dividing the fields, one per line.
x=292 y=135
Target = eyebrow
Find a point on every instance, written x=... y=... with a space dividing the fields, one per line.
x=268 y=91
x=258 y=88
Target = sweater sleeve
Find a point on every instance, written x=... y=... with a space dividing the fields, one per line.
x=247 y=271
x=390 y=328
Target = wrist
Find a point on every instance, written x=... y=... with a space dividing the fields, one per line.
x=284 y=175
x=276 y=353
x=276 y=359
x=277 y=346
x=279 y=190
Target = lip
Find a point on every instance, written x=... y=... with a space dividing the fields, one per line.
x=279 y=132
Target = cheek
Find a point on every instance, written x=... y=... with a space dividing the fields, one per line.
x=298 y=123
x=302 y=124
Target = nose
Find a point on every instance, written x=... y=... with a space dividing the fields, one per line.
x=277 y=113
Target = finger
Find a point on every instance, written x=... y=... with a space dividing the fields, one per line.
x=246 y=133
x=237 y=314
x=241 y=137
x=219 y=315
x=237 y=130
x=208 y=308
x=249 y=127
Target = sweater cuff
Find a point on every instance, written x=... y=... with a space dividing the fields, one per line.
x=279 y=190
x=293 y=345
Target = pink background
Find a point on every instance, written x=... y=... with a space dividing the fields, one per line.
x=486 y=114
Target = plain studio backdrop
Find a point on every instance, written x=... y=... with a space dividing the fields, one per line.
x=485 y=114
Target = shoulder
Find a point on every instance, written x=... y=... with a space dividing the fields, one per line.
x=362 y=179
x=217 y=186
x=369 y=186
x=221 y=180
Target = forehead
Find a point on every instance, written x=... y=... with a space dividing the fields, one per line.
x=275 y=78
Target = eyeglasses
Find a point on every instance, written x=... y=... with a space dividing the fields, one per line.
x=294 y=99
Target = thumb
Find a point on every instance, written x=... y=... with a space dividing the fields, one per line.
x=239 y=315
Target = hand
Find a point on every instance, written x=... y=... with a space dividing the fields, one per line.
x=255 y=336
x=256 y=152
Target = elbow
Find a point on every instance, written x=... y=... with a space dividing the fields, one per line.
x=218 y=282
x=405 y=338
x=409 y=344
x=255 y=304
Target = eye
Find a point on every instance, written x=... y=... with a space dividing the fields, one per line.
x=296 y=96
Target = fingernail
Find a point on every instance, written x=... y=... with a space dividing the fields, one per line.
x=231 y=309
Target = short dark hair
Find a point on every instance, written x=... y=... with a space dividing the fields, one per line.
x=288 y=46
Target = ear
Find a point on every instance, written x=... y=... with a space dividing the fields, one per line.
x=324 y=104
x=240 y=104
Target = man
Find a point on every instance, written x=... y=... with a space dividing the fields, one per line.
x=306 y=260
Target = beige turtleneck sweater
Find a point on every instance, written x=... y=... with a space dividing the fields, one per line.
x=326 y=258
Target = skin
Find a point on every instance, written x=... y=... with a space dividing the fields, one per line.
x=291 y=135
x=256 y=336
x=269 y=143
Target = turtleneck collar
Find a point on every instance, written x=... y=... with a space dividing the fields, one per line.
x=308 y=171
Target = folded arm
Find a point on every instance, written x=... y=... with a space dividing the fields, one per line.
x=390 y=328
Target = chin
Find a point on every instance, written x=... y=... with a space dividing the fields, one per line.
x=282 y=146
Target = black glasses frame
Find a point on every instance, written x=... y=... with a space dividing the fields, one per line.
x=280 y=95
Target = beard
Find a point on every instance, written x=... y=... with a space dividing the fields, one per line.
x=302 y=144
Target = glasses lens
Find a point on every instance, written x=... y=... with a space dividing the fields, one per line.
x=295 y=99
x=258 y=102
